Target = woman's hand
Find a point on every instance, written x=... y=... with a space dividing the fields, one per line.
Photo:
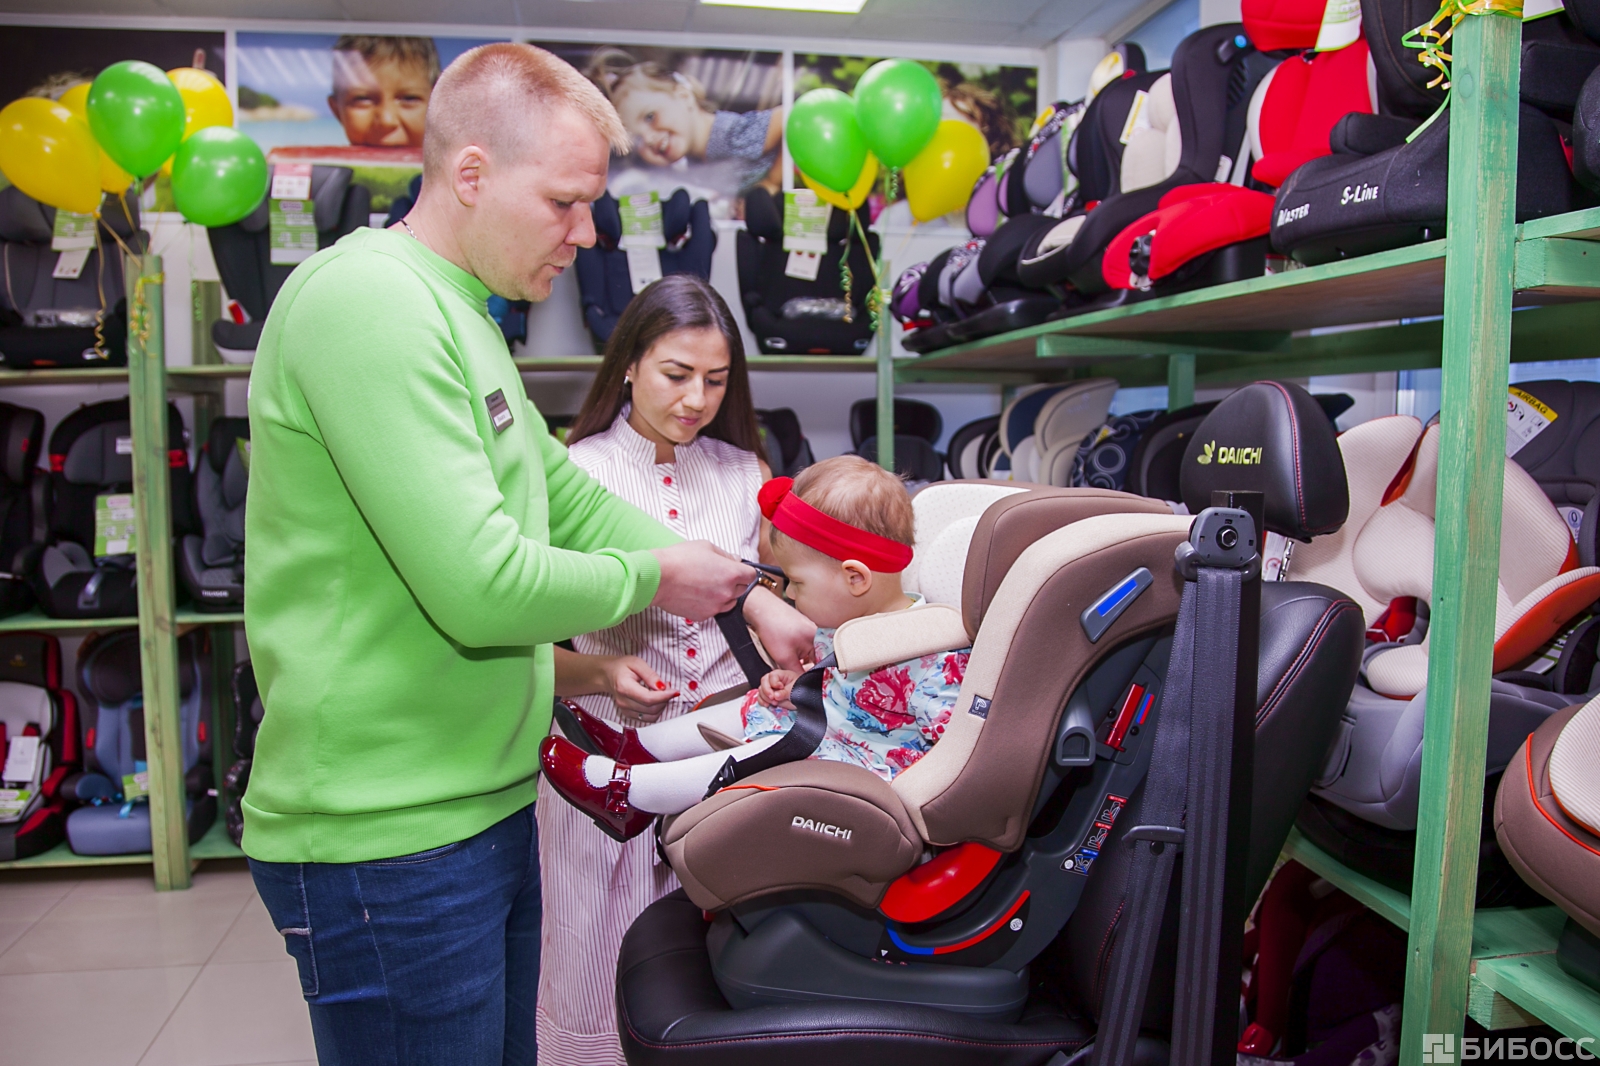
x=788 y=636
x=639 y=694
x=775 y=688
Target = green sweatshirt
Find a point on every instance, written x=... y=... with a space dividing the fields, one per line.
x=417 y=539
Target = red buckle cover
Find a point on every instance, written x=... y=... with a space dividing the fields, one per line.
x=929 y=890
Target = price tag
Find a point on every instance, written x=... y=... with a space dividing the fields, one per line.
x=291 y=181
x=72 y=230
x=22 y=760
x=136 y=786
x=293 y=231
x=641 y=225
x=1341 y=25
x=803 y=265
x=13 y=801
x=1526 y=418
x=805 y=223
x=1138 y=117
x=644 y=266
x=1538 y=9
x=69 y=264
x=114 y=532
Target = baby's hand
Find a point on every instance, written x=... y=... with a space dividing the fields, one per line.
x=775 y=688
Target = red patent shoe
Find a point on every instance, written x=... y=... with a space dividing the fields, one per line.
x=620 y=744
x=1257 y=1040
x=562 y=763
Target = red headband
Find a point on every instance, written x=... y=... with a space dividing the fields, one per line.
x=796 y=518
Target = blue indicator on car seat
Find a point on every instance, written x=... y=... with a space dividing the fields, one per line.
x=1097 y=618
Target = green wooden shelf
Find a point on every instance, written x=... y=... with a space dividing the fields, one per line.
x=856 y=364
x=34 y=620
x=99 y=375
x=187 y=617
x=213 y=845
x=1514 y=981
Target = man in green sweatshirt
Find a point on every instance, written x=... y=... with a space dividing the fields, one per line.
x=417 y=541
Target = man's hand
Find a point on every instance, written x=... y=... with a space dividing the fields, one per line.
x=639 y=694
x=775 y=688
x=788 y=636
x=699 y=580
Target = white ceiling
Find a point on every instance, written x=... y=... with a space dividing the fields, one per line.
x=1014 y=23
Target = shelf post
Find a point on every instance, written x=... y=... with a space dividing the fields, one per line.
x=1478 y=282
x=1180 y=381
x=885 y=369
x=158 y=647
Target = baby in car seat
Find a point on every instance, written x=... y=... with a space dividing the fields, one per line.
x=842 y=533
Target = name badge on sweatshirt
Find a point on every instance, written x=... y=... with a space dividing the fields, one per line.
x=499 y=410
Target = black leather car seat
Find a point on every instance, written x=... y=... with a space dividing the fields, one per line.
x=604 y=281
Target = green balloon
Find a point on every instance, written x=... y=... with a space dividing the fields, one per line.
x=898 y=106
x=218 y=176
x=824 y=139
x=137 y=115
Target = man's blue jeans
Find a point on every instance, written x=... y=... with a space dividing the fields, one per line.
x=429 y=959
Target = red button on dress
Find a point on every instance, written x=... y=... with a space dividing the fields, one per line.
x=690 y=653
x=693 y=685
x=667 y=480
x=673 y=513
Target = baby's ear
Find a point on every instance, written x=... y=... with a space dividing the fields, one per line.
x=857 y=577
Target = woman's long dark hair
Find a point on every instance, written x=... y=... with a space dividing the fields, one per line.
x=677 y=301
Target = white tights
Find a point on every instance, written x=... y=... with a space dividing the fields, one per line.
x=688 y=763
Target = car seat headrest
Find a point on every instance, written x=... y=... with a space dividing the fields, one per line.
x=1274 y=438
x=21 y=437
x=108 y=667
x=983 y=209
x=221 y=442
x=1585 y=14
x=912 y=418
x=102 y=455
x=1278 y=25
x=24 y=219
x=607 y=220
x=329 y=185
x=763 y=215
x=675 y=211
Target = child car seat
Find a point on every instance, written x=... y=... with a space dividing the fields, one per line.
x=1563 y=458
x=91 y=456
x=792 y=316
x=40 y=748
x=917 y=428
x=787 y=450
x=1187 y=130
x=211 y=562
x=604 y=282
x=118 y=820
x=49 y=321
x=1362 y=200
x=22 y=502
x=964 y=456
x=248 y=711
x=1026 y=812
x=1041 y=427
x=243 y=253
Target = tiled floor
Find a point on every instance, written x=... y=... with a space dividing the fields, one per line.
x=99 y=969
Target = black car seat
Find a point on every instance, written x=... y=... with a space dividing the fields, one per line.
x=917 y=428
x=963 y=458
x=1369 y=196
x=1188 y=129
x=41 y=749
x=604 y=281
x=116 y=820
x=787 y=450
x=248 y=711
x=23 y=494
x=802 y=881
x=243 y=253
x=65 y=322
x=1563 y=456
x=91 y=463
x=211 y=562
x=792 y=316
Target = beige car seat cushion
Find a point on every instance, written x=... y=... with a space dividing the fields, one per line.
x=939 y=505
x=1575 y=767
x=1154 y=151
x=978 y=783
x=1399 y=673
x=944 y=562
x=880 y=639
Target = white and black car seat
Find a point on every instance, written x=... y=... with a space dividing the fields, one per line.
x=604 y=281
x=828 y=916
x=1379 y=191
x=211 y=562
x=23 y=496
x=248 y=710
x=116 y=820
x=91 y=456
x=48 y=321
x=1564 y=457
x=917 y=428
x=793 y=316
x=243 y=253
x=41 y=750
x=787 y=450
x=1188 y=128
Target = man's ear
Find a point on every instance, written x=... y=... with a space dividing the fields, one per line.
x=333 y=105
x=857 y=577
x=466 y=174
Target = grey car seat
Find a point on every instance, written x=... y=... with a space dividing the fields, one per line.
x=211 y=562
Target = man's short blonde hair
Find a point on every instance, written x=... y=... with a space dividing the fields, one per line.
x=498 y=95
x=865 y=495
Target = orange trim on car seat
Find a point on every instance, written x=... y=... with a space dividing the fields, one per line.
x=758 y=788
x=1527 y=751
x=1402 y=478
x=940 y=883
x=1530 y=632
x=1571 y=561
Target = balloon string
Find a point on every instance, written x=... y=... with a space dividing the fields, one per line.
x=875 y=298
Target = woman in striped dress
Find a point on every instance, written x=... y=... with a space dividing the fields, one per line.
x=669 y=426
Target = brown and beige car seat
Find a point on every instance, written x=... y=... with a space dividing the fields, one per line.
x=829 y=916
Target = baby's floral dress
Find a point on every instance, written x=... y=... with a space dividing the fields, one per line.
x=881 y=720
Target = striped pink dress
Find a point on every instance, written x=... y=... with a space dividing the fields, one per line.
x=594 y=887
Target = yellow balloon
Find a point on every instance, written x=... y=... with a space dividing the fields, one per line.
x=940 y=179
x=205 y=102
x=858 y=192
x=49 y=153
x=113 y=178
